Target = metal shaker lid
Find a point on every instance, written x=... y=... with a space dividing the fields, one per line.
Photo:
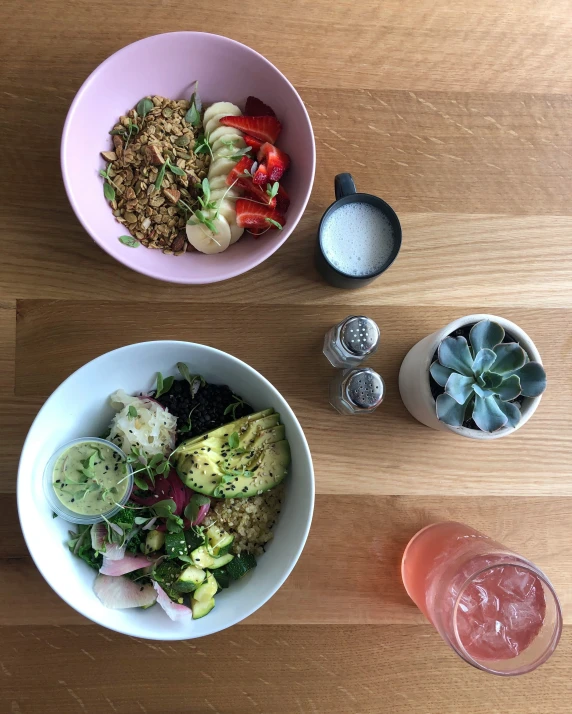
x=360 y=335
x=365 y=388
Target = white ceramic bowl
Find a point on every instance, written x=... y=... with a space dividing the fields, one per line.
x=79 y=407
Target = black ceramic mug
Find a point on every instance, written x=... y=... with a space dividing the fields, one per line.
x=346 y=192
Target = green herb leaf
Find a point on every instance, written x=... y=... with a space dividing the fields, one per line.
x=139 y=520
x=206 y=189
x=193 y=116
x=129 y=241
x=239 y=153
x=144 y=106
x=228 y=409
x=176 y=170
x=163 y=385
x=103 y=173
x=272 y=190
x=165 y=508
x=132 y=412
x=210 y=225
x=233 y=440
x=273 y=223
x=162 y=468
x=140 y=482
x=156 y=459
x=160 y=176
x=196 y=501
x=109 y=191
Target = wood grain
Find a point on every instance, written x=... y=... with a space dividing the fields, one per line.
x=267 y=670
x=359 y=587
x=458 y=114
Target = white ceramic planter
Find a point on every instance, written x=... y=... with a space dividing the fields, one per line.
x=414 y=385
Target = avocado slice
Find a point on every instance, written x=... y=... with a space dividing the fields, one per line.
x=220 y=431
x=258 y=463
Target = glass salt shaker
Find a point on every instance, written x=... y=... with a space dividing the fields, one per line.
x=356 y=391
x=351 y=341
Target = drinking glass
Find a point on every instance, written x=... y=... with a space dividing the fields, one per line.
x=494 y=608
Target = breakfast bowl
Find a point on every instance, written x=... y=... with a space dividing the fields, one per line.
x=174 y=65
x=81 y=408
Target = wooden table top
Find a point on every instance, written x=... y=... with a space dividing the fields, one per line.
x=458 y=113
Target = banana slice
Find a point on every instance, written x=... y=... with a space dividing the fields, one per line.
x=218 y=193
x=225 y=208
x=235 y=232
x=224 y=131
x=224 y=108
x=230 y=141
x=204 y=240
x=217 y=182
x=213 y=123
x=221 y=167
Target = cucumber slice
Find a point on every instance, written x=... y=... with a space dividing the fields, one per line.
x=219 y=541
x=241 y=565
x=190 y=579
x=175 y=545
x=203 y=559
x=194 y=539
x=207 y=590
x=200 y=609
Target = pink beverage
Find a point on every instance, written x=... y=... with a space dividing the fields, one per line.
x=496 y=609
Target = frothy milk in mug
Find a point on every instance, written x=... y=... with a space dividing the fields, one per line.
x=357 y=239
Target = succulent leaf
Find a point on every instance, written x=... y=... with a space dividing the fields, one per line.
x=484 y=393
x=439 y=373
x=509 y=388
x=490 y=380
x=454 y=353
x=511 y=411
x=451 y=412
x=459 y=387
x=532 y=379
x=486 y=334
x=487 y=415
x=483 y=361
x=510 y=357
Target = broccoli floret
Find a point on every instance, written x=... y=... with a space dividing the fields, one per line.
x=134 y=545
x=125 y=518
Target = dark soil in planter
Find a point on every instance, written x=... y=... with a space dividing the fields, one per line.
x=437 y=389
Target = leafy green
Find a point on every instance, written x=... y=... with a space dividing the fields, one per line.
x=191 y=378
x=273 y=223
x=163 y=385
x=108 y=192
x=132 y=412
x=272 y=190
x=129 y=241
x=144 y=106
x=233 y=440
x=193 y=115
x=202 y=145
x=192 y=509
x=234 y=406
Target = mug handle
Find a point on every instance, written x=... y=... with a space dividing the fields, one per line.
x=344 y=186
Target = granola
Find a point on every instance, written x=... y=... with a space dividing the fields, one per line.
x=152 y=173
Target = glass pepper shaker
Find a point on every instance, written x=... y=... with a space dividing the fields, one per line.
x=351 y=341
x=356 y=391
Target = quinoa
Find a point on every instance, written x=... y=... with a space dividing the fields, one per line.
x=250 y=520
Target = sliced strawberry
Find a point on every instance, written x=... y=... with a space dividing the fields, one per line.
x=256 y=193
x=282 y=200
x=276 y=161
x=255 y=144
x=251 y=215
x=246 y=163
x=256 y=108
x=263 y=128
x=260 y=175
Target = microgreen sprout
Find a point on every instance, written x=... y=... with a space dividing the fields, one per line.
x=167 y=166
x=108 y=185
x=193 y=115
x=234 y=406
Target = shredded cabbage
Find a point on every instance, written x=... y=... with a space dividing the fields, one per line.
x=152 y=430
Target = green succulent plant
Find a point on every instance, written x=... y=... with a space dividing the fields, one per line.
x=483 y=377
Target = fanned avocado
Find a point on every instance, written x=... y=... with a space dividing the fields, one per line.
x=238 y=460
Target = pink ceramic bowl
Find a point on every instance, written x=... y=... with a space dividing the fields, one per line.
x=168 y=65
